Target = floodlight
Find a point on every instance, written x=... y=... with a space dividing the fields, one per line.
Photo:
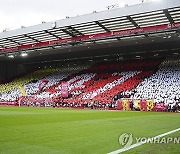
x=24 y=54
x=10 y=56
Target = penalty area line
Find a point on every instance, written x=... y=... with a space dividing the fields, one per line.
x=141 y=143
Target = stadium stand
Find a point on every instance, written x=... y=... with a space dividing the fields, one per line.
x=151 y=28
x=31 y=82
x=101 y=85
x=26 y=79
x=164 y=85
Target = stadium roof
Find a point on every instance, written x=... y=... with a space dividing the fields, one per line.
x=137 y=21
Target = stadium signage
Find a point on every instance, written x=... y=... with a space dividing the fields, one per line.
x=175 y=25
x=64 y=89
x=126 y=139
x=124 y=32
x=94 y=37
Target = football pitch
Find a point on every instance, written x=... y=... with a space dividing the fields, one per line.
x=72 y=131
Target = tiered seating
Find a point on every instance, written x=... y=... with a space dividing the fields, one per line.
x=109 y=80
x=26 y=79
x=92 y=87
x=127 y=85
x=163 y=86
x=101 y=82
x=68 y=74
x=110 y=83
x=31 y=82
x=12 y=95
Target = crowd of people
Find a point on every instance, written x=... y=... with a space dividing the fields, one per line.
x=163 y=86
x=58 y=104
x=102 y=83
x=31 y=83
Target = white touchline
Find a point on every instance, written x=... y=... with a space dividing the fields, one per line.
x=141 y=143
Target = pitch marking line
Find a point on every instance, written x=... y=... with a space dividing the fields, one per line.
x=141 y=143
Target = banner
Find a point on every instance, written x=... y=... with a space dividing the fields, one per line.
x=150 y=105
x=126 y=105
x=119 y=105
x=143 y=105
x=137 y=104
x=23 y=92
x=8 y=103
x=64 y=89
x=160 y=107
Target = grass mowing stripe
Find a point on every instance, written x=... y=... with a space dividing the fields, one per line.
x=141 y=143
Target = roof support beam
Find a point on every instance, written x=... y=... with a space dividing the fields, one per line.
x=69 y=33
x=31 y=38
x=102 y=26
x=75 y=30
x=135 y=24
x=52 y=34
x=11 y=40
x=72 y=31
x=167 y=14
x=132 y=21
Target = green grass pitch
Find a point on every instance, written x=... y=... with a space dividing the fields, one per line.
x=51 y=130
